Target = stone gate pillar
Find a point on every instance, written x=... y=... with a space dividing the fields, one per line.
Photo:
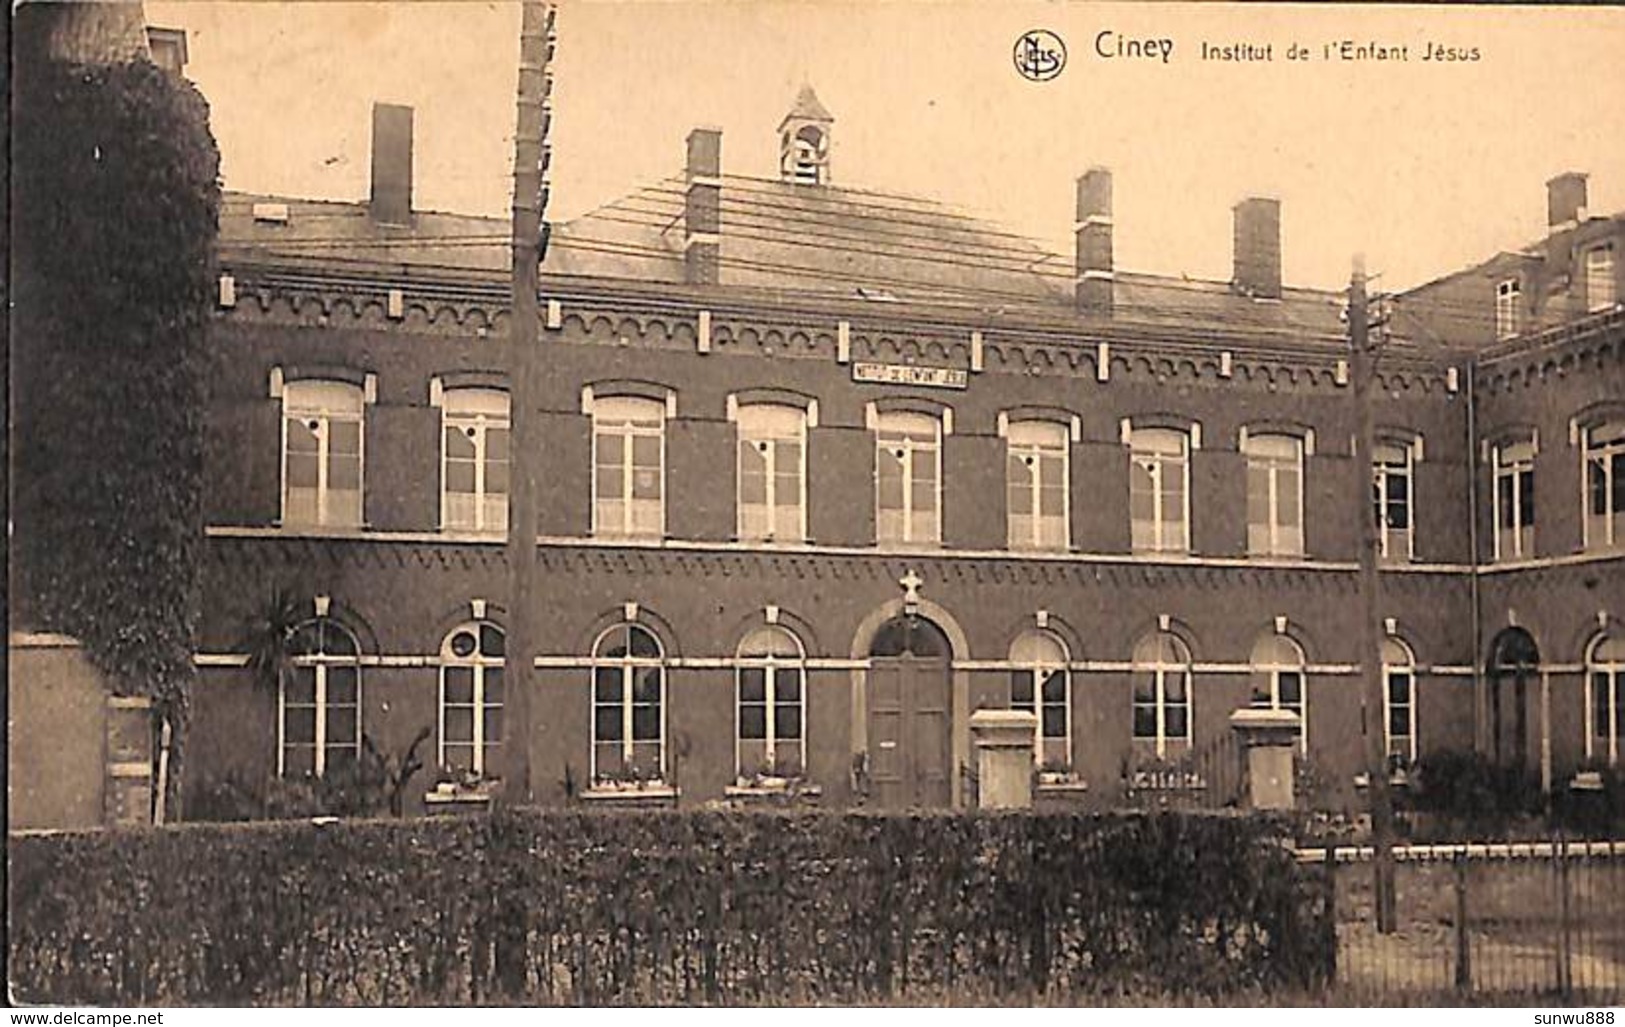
x=1268 y=738
x=1003 y=740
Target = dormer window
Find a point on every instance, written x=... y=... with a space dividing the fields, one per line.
x=1600 y=294
x=1506 y=309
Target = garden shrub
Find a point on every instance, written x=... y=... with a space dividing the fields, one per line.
x=1474 y=796
x=115 y=199
x=650 y=908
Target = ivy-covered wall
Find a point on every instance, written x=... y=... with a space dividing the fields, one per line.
x=654 y=908
x=115 y=200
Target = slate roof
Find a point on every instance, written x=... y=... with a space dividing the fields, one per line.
x=787 y=238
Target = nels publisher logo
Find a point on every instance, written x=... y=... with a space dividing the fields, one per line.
x=1039 y=55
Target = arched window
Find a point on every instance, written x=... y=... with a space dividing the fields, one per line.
x=908 y=477
x=474 y=451
x=471 y=694
x=1399 y=699
x=1274 y=494
x=1036 y=484
x=628 y=706
x=1513 y=469
x=1040 y=684
x=772 y=472
x=1514 y=665
x=320 y=700
x=1162 y=691
x=1605 y=712
x=1159 y=489
x=321 y=453
x=1278 y=680
x=1392 y=474
x=1605 y=485
x=629 y=459
x=772 y=696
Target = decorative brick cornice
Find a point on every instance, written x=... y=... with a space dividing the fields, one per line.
x=806 y=327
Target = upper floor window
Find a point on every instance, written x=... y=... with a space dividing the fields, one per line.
x=1159 y=489
x=628 y=706
x=1508 y=314
x=1399 y=699
x=908 y=477
x=1605 y=710
x=471 y=688
x=321 y=453
x=772 y=472
x=1392 y=475
x=1274 y=494
x=1605 y=485
x=1278 y=680
x=1600 y=277
x=320 y=700
x=1036 y=484
x=474 y=449
x=1513 y=465
x=1162 y=691
x=772 y=705
x=1040 y=684
x=629 y=456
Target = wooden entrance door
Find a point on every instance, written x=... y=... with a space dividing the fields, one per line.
x=910 y=697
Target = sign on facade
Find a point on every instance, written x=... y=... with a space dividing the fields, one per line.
x=905 y=374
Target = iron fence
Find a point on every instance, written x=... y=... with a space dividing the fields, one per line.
x=1507 y=920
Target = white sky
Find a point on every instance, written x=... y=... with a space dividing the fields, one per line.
x=1423 y=167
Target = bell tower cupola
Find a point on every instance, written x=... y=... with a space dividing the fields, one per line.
x=804 y=140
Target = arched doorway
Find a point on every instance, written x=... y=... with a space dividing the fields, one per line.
x=1514 y=663
x=910 y=714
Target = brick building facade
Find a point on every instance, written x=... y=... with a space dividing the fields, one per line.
x=825 y=470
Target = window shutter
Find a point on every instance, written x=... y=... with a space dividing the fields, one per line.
x=1218 y=502
x=402 y=467
x=1099 y=498
x=1331 y=512
x=973 y=492
x=1438 y=504
x=700 y=466
x=1559 y=502
x=841 y=486
x=564 y=478
x=242 y=463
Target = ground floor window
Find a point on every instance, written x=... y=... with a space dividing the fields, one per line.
x=1040 y=684
x=1399 y=700
x=320 y=701
x=628 y=706
x=1162 y=692
x=1278 y=680
x=471 y=692
x=1605 y=706
x=772 y=688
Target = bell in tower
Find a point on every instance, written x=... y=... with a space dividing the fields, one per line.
x=804 y=140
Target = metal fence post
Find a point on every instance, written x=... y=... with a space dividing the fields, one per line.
x=1560 y=851
x=1464 y=950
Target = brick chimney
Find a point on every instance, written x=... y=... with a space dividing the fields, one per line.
x=1257 y=267
x=391 y=201
x=1566 y=199
x=702 y=207
x=1094 y=243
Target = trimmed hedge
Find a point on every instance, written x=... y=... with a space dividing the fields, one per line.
x=654 y=908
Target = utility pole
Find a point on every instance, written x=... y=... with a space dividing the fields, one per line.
x=530 y=160
x=1363 y=365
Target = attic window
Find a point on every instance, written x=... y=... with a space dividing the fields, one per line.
x=271 y=213
x=1506 y=308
